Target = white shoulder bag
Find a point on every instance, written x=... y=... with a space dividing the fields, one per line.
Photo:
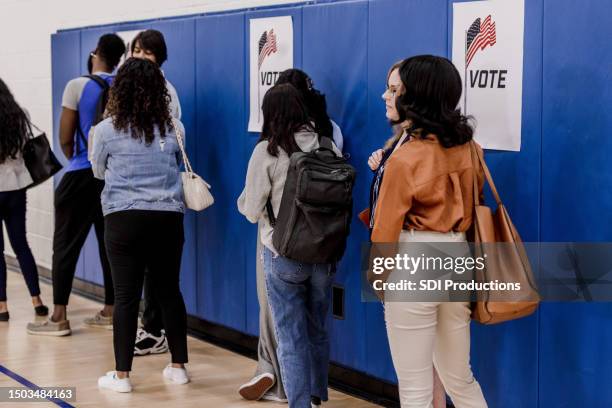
x=195 y=189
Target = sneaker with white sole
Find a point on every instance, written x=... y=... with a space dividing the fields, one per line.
x=147 y=343
x=100 y=322
x=50 y=328
x=315 y=402
x=176 y=375
x=111 y=382
x=255 y=389
x=269 y=396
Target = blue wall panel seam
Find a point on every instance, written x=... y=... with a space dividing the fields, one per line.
x=196 y=126
x=245 y=56
x=540 y=207
x=367 y=107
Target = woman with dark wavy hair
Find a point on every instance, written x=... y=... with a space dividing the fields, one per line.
x=423 y=192
x=393 y=89
x=14 y=178
x=137 y=154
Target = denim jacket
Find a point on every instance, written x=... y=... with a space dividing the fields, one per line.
x=137 y=176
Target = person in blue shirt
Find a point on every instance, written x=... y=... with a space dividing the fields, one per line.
x=77 y=197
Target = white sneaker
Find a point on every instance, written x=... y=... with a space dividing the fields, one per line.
x=268 y=396
x=112 y=382
x=255 y=389
x=176 y=375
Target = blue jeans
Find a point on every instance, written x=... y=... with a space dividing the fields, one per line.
x=299 y=296
x=13 y=214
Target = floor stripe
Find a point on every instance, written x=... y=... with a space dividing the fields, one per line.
x=32 y=386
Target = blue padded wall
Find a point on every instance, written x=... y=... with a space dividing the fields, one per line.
x=394 y=32
x=556 y=188
x=221 y=127
x=343 y=78
x=180 y=70
x=575 y=345
x=513 y=346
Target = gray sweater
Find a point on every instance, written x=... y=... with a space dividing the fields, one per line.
x=267 y=174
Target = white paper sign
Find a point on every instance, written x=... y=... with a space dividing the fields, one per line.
x=127 y=37
x=271 y=52
x=488 y=52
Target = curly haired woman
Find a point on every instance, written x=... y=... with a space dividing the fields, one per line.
x=137 y=154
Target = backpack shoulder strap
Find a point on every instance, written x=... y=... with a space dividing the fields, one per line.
x=99 y=80
x=270 y=212
x=80 y=134
x=326 y=142
x=105 y=87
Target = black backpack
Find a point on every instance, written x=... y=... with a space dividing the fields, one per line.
x=100 y=106
x=314 y=218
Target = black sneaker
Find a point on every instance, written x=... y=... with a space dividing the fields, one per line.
x=41 y=310
x=147 y=343
x=315 y=402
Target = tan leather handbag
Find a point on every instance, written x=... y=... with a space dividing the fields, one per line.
x=496 y=238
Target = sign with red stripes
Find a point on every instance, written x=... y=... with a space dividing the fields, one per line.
x=488 y=52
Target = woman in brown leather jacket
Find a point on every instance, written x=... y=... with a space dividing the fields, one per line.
x=423 y=192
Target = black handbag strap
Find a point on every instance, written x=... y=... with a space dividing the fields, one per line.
x=31 y=133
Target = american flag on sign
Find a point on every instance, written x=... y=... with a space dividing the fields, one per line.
x=479 y=36
x=267 y=45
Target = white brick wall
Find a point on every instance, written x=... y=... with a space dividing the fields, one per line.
x=25 y=65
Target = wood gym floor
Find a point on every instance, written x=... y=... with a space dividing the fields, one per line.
x=78 y=360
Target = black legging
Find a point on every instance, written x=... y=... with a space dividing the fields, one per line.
x=13 y=214
x=77 y=209
x=151 y=241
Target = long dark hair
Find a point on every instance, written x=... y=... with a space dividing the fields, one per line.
x=14 y=125
x=138 y=100
x=432 y=89
x=284 y=114
x=314 y=100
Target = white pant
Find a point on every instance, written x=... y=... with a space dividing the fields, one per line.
x=426 y=334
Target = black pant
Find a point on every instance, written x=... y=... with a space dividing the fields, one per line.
x=152 y=316
x=151 y=243
x=77 y=208
x=13 y=213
